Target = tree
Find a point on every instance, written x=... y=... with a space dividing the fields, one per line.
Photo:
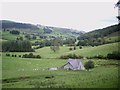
x=28 y=37
x=74 y=47
x=30 y=55
x=81 y=43
x=7 y=54
x=19 y=55
x=16 y=46
x=55 y=45
x=34 y=37
x=54 y=48
x=15 y=32
x=89 y=65
x=70 y=41
x=19 y=38
x=70 y=48
x=80 y=47
x=38 y=56
x=118 y=5
x=114 y=55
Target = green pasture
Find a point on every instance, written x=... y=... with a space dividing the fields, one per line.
x=85 y=51
x=97 y=50
x=31 y=73
x=46 y=52
x=112 y=38
x=8 y=36
x=20 y=72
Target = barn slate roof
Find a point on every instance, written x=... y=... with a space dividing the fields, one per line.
x=74 y=62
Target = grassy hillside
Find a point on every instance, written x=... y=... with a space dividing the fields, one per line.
x=31 y=73
x=97 y=50
x=39 y=29
x=100 y=36
x=114 y=34
x=102 y=32
x=64 y=32
x=11 y=24
x=8 y=36
x=112 y=38
x=88 y=51
x=18 y=72
x=24 y=67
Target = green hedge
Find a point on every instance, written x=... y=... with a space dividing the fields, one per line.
x=74 y=56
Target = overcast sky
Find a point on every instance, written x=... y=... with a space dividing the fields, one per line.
x=85 y=16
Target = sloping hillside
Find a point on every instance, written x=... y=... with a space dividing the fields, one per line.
x=85 y=51
x=97 y=50
x=101 y=32
x=11 y=24
x=40 y=29
x=114 y=34
x=102 y=36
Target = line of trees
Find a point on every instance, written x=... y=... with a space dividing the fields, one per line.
x=96 y=41
x=52 y=42
x=30 y=55
x=113 y=55
x=15 y=32
x=74 y=56
x=17 y=46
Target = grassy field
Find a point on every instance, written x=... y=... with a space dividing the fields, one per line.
x=64 y=50
x=30 y=73
x=85 y=51
x=112 y=38
x=8 y=36
x=97 y=50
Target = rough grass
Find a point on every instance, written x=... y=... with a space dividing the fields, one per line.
x=8 y=36
x=97 y=50
x=16 y=67
x=47 y=53
x=31 y=73
x=64 y=50
x=112 y=38
x=85 y=51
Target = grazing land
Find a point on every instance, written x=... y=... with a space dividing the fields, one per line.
x=30 y=73
x=29 y=50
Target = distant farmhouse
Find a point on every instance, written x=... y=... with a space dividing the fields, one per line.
x=72 y=64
